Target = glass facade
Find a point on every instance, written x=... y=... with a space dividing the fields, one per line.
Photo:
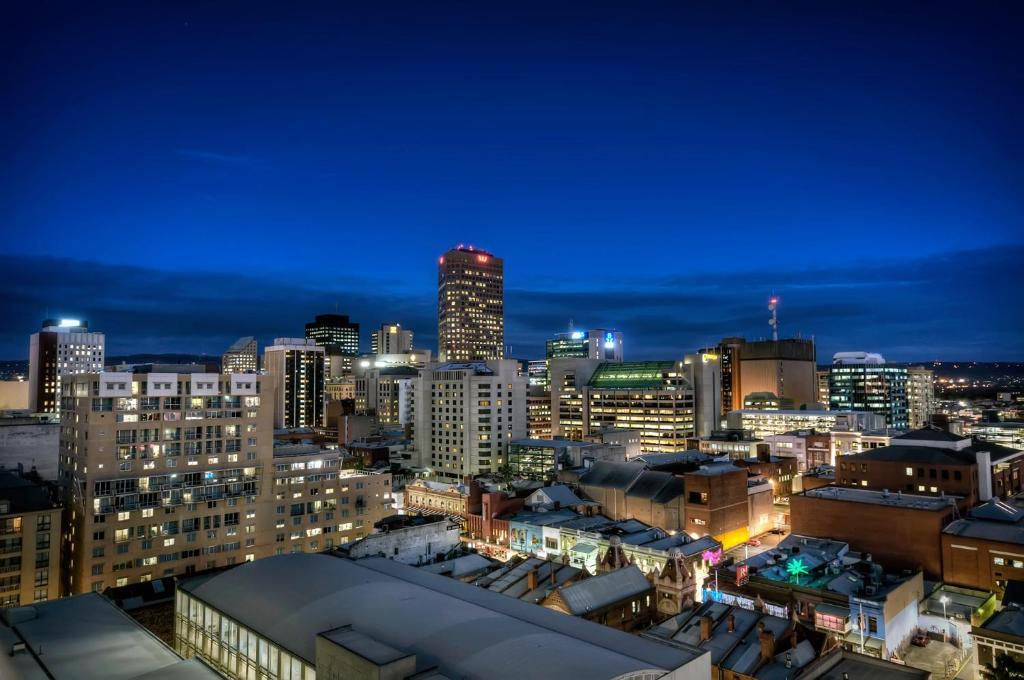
x=233 y=649
x=877 y=388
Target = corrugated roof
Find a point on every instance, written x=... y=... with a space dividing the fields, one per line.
x=597 y=592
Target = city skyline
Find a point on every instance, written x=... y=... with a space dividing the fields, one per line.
x=907 y=318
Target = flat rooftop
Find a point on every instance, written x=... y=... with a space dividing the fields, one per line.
x=85 y=637
x=463 y=630
x=898 y=500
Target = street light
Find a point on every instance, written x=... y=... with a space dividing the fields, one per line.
x=944 y=600
x=945 y=619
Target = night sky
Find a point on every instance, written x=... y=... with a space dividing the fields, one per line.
x=182 y=174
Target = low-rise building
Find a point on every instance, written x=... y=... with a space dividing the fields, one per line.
x=296 y=615
x=410 y=539
x=985 y=549
x=936 y=463
x=1002 y=633
x=623 y=599
x=764 y=423
x=86 y=637
x=902 y=530
x=825 y=586
x=735 y=443
x=810 y=448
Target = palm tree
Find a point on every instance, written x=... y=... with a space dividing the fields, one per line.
x=1004 y=667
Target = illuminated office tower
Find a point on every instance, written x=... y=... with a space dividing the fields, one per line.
x=63 y=347
x=339 y=337
x=862 y=381
x=297 y=367
x=600 y=344
x=162 y=474
x=470 y=305
x=391 y=338
x=241 y=357
x=654 y=397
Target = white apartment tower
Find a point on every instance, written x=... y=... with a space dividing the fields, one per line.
x=63 y=347
x=466 y=414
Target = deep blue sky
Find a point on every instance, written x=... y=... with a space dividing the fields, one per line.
x=185 y=173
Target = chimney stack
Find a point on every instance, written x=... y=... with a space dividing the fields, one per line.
x=732 y=623
x=767 y=640
x=706 y=623
x=984 y=459
x=531 y=579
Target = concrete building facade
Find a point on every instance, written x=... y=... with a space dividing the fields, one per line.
x=64 y=347
x=470 y=305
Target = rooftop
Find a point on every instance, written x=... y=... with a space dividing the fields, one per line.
x=898 y=499
x=24 y=494
x=87 y=636
x=634 y=375
x=598 y=592
x=465 y=631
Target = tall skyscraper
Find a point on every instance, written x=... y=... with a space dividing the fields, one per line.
x=298 y=368
x=339 y=336
x=241 y=357
x=470 y=305
x=391 y=338
x=920 y=396
x=599 y=343
x=862 y=381
x=62 y=348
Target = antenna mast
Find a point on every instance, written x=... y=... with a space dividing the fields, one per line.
x=773 y=307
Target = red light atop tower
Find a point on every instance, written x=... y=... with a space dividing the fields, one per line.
x=481 y=258
x=440 y=260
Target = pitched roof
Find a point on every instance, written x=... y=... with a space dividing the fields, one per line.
x=633 y=375
x=597 y=592
x=561 y=494
x=931 y=434
x=659 y=487
x=611 y=475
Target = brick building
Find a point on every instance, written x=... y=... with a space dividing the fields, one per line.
x=934 y=462
x=901 y=530
x=986 y=549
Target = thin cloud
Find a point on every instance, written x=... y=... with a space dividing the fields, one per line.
x=221 y=159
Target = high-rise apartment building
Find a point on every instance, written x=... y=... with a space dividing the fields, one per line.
x=466 y=414
x=391 y=338
x=297 y=367
x=605 y=345
x=163 y=473
x=920 y=396
x=862 y=381
x=654 y=397
x=339 y=337
x=241 y=357
x=470 y=305
x=63 y=347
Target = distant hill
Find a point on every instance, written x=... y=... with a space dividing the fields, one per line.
x=11 y=370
